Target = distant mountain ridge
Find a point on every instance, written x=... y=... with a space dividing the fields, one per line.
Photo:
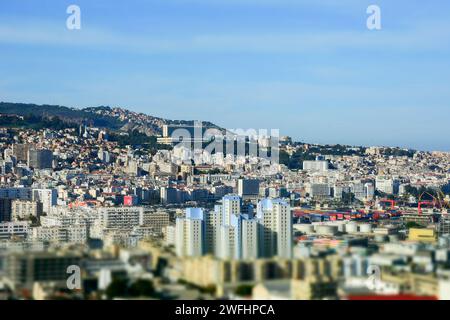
x=118 y=119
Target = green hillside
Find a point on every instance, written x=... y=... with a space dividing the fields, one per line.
x=65 y=114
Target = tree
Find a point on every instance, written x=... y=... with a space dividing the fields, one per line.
x=244 y=290
x=284 y=157
x=142 y=288
x=412 y=224
x=211 y=289
x=348 y=198
x=117 y=288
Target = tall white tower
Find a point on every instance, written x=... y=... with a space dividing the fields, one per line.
x=249 y=238
x=190 y=234
x=275 y=228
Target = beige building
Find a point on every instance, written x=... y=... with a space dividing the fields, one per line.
x=156 y=220
x=411 y=283
x=310 y=278
x=312 y=288
x=24 y=209
x=422 y=235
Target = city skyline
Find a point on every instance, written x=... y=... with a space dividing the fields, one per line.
x=243 y=156
x=311 y=69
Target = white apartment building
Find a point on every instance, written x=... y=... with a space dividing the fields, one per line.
x=169 y=235
x=315 y=165
x=275 y=230
x=189 y=237
x=48 y=198
x=23 y=209
x=387 y=184
x=57 y=234
x=156 y=220
x=228 y=234
x=231 y=205
x=122 y=217
x=249 y=229
x=213 y=220
x=318 y=190
x=369 y=189
x=66 y=217
x=50 y=234
x=14 y=229
x=229 y=242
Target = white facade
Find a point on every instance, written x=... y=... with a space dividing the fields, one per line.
x=370 y=191
x=228 y=246
x=190 y=233
x=9 y=229
x=319 y=190
x=48 y=198
x=189 y=237
x=275 y=231
x=249 y=239
x=122 y=217
x=23 y=209
x=315 y=166
x=169 y=235
x=231 y=205
x=387 y=185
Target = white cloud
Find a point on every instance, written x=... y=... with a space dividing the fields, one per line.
x=424 y=37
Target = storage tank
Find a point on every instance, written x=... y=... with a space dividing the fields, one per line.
x=304 y=228
x=365 y=228
x=351 y=227
x=381 y=238
x=341 y=227
x=326 y=230
x=394 y=238
x=444 y=241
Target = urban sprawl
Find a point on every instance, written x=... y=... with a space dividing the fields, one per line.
x=83 y=216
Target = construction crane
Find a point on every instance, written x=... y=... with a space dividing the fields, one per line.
x=437 y=201
x=391 y=202
x=421 y=203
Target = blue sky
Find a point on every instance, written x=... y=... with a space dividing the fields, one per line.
x=310 y=68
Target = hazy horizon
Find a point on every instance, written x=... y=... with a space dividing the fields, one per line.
x=218 y=124
x=309 y=68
